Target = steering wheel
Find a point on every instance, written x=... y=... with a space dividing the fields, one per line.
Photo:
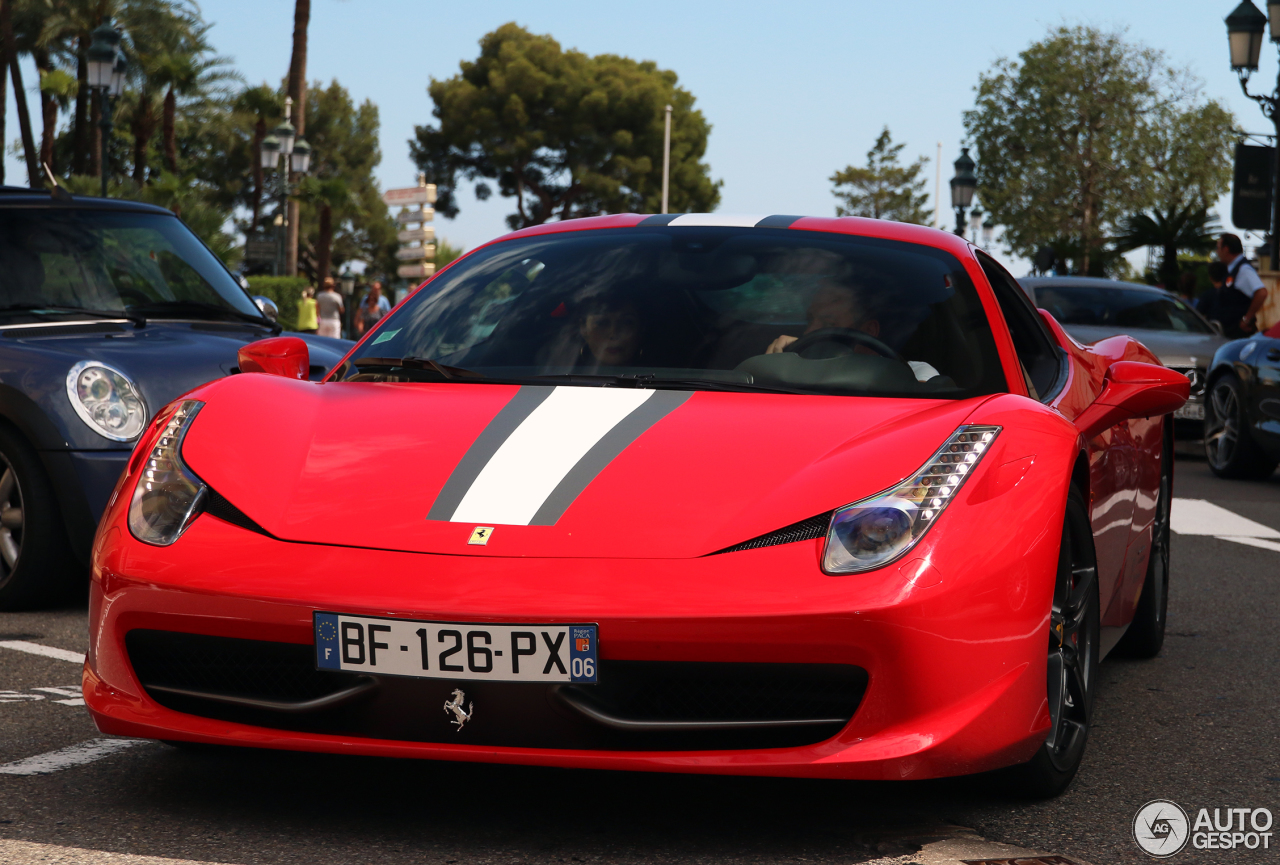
x=845 y=336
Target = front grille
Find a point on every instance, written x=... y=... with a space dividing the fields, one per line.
x=254 y=669
x=805 y=530
x=638 y=705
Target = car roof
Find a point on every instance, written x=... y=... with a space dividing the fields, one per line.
x=12 y=197
x=1087 y=282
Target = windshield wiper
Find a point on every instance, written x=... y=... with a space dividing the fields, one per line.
x=138 y=319
x=448 y=373
x=196 y=307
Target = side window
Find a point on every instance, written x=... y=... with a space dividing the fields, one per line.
x=1039 y=355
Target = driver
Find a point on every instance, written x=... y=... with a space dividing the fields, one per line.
x=838 y=305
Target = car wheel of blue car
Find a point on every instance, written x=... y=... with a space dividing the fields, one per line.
x=1228 y=445
x=35 y=563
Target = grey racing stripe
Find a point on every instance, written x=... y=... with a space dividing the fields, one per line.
x=614 y=442
x=504 y=423
x=658 y=219
x=777 y=221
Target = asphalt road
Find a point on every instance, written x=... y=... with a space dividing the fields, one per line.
x=1198 y=725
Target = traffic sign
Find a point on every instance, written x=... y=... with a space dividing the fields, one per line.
x=423 y=193
x=425 y=234
x=415 y=271
x=416 y=253
x=407 y=216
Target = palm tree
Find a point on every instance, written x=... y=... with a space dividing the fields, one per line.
x=1189 y=229
x=298 y=90
x=261 y=103
x=325 y=194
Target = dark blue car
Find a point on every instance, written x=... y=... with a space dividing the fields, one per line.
x=108 y=311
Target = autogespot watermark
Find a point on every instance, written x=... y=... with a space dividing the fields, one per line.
x=1162 y=828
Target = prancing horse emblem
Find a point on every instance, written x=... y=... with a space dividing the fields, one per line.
x=460 y=717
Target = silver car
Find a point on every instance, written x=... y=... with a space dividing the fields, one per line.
x=1092 y=309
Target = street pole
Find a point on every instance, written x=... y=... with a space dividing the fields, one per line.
x=666 y=160
x=107 y=127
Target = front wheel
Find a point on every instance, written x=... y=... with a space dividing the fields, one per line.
x=1228 y=446
x=1072 y=664
x=35 y=561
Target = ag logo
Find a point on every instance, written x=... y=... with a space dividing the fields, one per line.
x=1161 y=828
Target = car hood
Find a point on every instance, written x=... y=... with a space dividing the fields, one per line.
x=1174 y=348
x=565 y=471
x=165 y=359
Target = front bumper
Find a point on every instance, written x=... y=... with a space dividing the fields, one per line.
x=954 y=653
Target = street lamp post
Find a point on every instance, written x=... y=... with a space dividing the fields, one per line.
x=283 y=142
x=963 y=185
x=106 y=70
x=1246 y=26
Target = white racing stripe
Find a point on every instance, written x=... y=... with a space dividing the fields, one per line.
x=65 y=758
x=733 y=220
x=533 y=460
x=43 y=651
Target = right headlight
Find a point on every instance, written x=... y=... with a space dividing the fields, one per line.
x=168 y=495
x=871 y=533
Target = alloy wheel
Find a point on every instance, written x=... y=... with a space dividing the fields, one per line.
x=1073 y=644
x=1222 y=436
x=11 y=519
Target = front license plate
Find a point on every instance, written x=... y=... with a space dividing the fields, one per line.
x=456 y=650
x=1190 y=411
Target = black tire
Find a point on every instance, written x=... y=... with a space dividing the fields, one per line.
x=36 y=565
x=1228 y=445
x=1145 y=636
x=1072 y=668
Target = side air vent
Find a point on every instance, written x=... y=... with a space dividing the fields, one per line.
x=217 y=506
x=805 y=530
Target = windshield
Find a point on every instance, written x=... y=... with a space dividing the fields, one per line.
x=1119 y=308
x=718 y=308
x=111 y=262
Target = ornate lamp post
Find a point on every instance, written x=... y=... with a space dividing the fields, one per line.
x=1245 y=28
x=963 y=185
x=283 y=142
x=106 y=68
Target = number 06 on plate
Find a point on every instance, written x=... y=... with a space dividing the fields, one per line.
x=456 y=650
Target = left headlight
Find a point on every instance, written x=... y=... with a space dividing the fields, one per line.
x=168 y=495
x=873 y=532
x=107 y=400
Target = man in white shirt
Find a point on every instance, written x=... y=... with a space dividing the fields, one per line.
x=1243 y=278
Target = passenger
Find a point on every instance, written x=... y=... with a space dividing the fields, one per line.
x=612 y=332
x=838 y=305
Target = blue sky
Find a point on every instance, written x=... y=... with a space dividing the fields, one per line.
x=794 y=91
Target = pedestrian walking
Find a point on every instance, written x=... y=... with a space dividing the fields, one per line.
x=371 y=310
x=1234 y=304
x=308 y=321
x=329 y=310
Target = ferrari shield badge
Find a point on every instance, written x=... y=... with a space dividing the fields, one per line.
x=480 y=535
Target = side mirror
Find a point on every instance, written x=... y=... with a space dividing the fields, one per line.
x=281 y=355
x=1131 y=390
x=268 y=307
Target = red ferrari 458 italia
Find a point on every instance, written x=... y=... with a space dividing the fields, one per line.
x=757 y=495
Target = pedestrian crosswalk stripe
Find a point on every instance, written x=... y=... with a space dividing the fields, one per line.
x=65 y=758
x=44 y=651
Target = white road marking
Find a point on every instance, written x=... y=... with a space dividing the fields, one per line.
x=533 y=460
x=70 y=691
x=50 y=651
x=31 y=853
x=1253 y=542
x=1200 y=517
x=65 y=758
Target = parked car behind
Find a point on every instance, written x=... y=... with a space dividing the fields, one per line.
x=1242 y=412
x=1091 y=309
x=108 y=311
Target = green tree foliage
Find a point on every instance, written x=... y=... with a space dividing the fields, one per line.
x=446 y=252
x=1189 y=151
x=1062 y=139
x=885 y=189
x=563 y=133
